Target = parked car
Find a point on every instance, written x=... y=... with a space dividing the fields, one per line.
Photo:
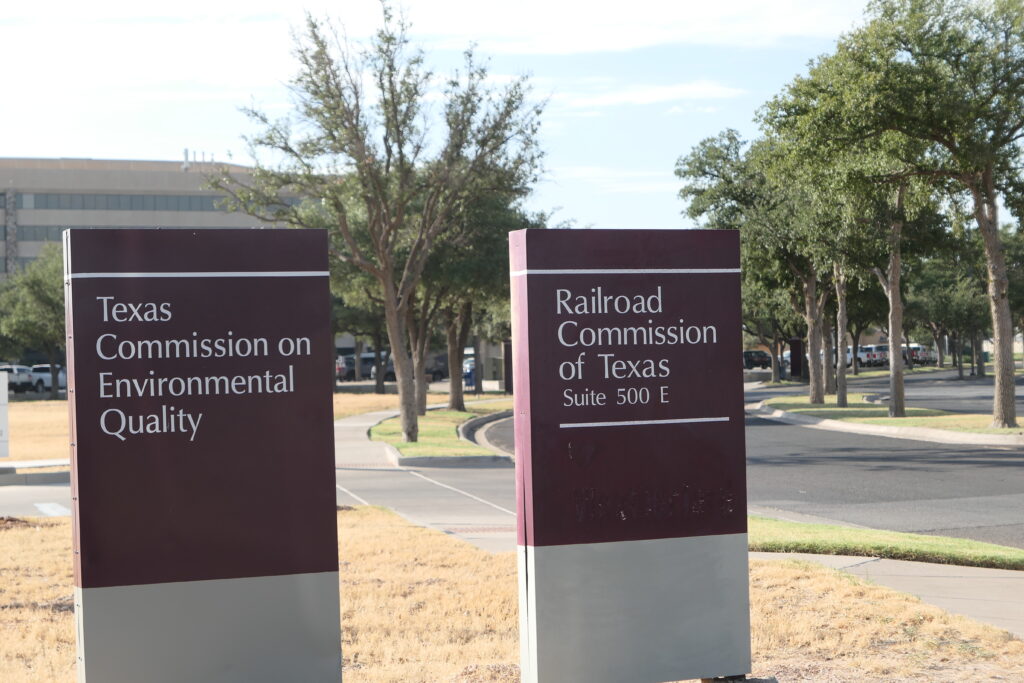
x=919 y=354
x=366 y=360
x=19 y=377
x=880 y=355
x=756 y=359
x=863 y=352
x=42 y=380
x=340 y=368
x=436 y=368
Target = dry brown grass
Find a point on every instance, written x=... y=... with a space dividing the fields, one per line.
x=418 y=605
x=346 y=405
x=42 y=470
x=37 y=638
x=815 y=624
x=38 y=430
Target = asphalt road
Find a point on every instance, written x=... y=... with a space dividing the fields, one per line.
x=793 y=472
x=816 y=475
x=477 y=504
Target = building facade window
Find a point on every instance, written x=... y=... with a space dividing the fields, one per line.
x=116 y=202
x=39 y=233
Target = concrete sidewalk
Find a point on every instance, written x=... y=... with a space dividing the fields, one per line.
x=991 y=596
x=367 y=473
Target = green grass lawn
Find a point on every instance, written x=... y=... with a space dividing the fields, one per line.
x=439 y=437
x=869 y=413
x=438 y=432
x=771 y=535
x=866 y=373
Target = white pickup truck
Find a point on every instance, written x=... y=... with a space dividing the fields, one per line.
x=19 y=377
x=43 y=381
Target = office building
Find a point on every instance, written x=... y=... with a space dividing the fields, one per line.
x=41 y=197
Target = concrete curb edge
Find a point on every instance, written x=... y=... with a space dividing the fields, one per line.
x=759 y=409
x=497 y=460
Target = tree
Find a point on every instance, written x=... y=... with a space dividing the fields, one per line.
x=767 y=314
x=949 y=75
x=866 y=307
x=755 y=191
x=387 y=178
x=32 y=302
x=467 y=276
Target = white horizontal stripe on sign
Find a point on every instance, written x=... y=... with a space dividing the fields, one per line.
x=634 y=423
x=624 y=271
x=268 y=273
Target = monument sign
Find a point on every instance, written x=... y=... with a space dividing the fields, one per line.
x=630 y=466
x=200 y=382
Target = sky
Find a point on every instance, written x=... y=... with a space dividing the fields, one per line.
x=629 y=86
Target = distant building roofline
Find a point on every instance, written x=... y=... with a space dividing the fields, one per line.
x=86 y=164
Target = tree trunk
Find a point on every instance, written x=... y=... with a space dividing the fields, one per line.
x=378 y=363
x=939 y=356
x=828 y=358
x=855 y=335
x=458 y=335
x=421 y=381
x=418 y=326
x=897 y=399
x=958 y=357
x=812 y=318
x=394 y=320
x=776 y=351
x=841 y=323
x=358 y=355
x=478 y=369
x=979 y=354
x=1004 y=409
x=890 y=282
x=910 y=358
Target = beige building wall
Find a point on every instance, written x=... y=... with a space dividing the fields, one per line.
x=41 y=197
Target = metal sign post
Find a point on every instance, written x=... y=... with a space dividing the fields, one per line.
x=630 y=464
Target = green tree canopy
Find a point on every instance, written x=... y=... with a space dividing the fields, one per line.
x=32 y=306
x=384 y=172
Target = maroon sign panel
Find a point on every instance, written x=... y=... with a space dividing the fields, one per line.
x=200 y=388
x=629 y=390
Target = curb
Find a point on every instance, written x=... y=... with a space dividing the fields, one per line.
x=910 y=433
x=498 y=460
x=474 y=423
